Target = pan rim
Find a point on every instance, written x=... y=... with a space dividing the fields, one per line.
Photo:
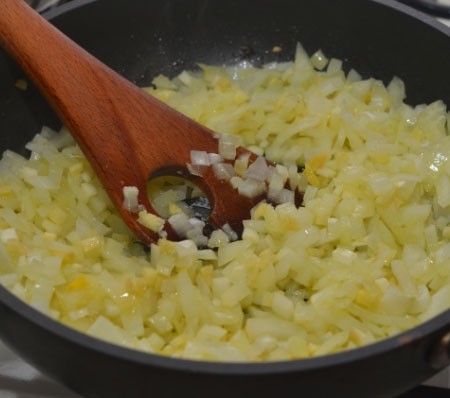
x=415 y=13
x=403 y=8
x=64 y=332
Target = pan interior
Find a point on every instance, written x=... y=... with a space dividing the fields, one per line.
x=375 y=40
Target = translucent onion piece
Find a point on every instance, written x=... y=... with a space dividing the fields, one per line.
x=200 y=158
x=228 y=144
x=196 y=170
x=130 y=199
x=214 y=158
x=180 y=223
x=257 y=170
x=230 y=232
x=223 y=171
x=251 y=188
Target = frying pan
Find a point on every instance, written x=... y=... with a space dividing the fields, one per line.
x=430 y=6
x=142 y=38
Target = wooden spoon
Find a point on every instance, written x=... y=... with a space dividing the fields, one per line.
x=126 y=134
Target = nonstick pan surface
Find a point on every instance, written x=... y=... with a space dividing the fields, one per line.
x=142 y=38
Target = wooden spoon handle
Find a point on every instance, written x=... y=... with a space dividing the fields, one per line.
x=80 y=89
x=126 y=134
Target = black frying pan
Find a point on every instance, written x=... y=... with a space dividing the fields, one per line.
x=142 y=38
x=432 y=7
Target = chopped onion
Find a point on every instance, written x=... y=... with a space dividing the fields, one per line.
x=276 y=182
x=366 y=257
x=130 y=199
x=294 y=177
x=228 y=144
x=251 y=188
x=241 y=164
x=319 y=60
x=197 y=170
x=282 y=171
x=191 y=228
x=200 y=158
x=273 y=195
x=236 y=182
x=8 y=234
x=197 y=237
x=151 y=221
x=282 y=196
x=218 y=238
x=196 y=223
x=224 y=171
x=257 y=170
x=180 y=223
x=214 y=158
x=230 y=232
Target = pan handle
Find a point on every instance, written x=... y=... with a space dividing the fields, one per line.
x=429 y=6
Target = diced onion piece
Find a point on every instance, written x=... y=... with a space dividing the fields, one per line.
x=276 y=183
x=195 y=233
x=130 y=199
x=214 y=158
x=196 y=223
x=8 y=234
x=186 y=78
x=197 y=170
x=218 y=238
x=241 y=163
x=200 y=158
x=230 y=232
x=257 y=170
x=282 y=171
x=236 y=182
x=207 y=254
x=180 y=223
x=283 y=196
x=319 y=60
x=228 y=144
x=223 y=171
x=294 y=177
x=251 y=188
x=353 y=76
x=197 y=237
x=21 y=84
x=335 y=65
x=186 y=248
x=151 y=221
x=273 y=194
x=191 y=228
